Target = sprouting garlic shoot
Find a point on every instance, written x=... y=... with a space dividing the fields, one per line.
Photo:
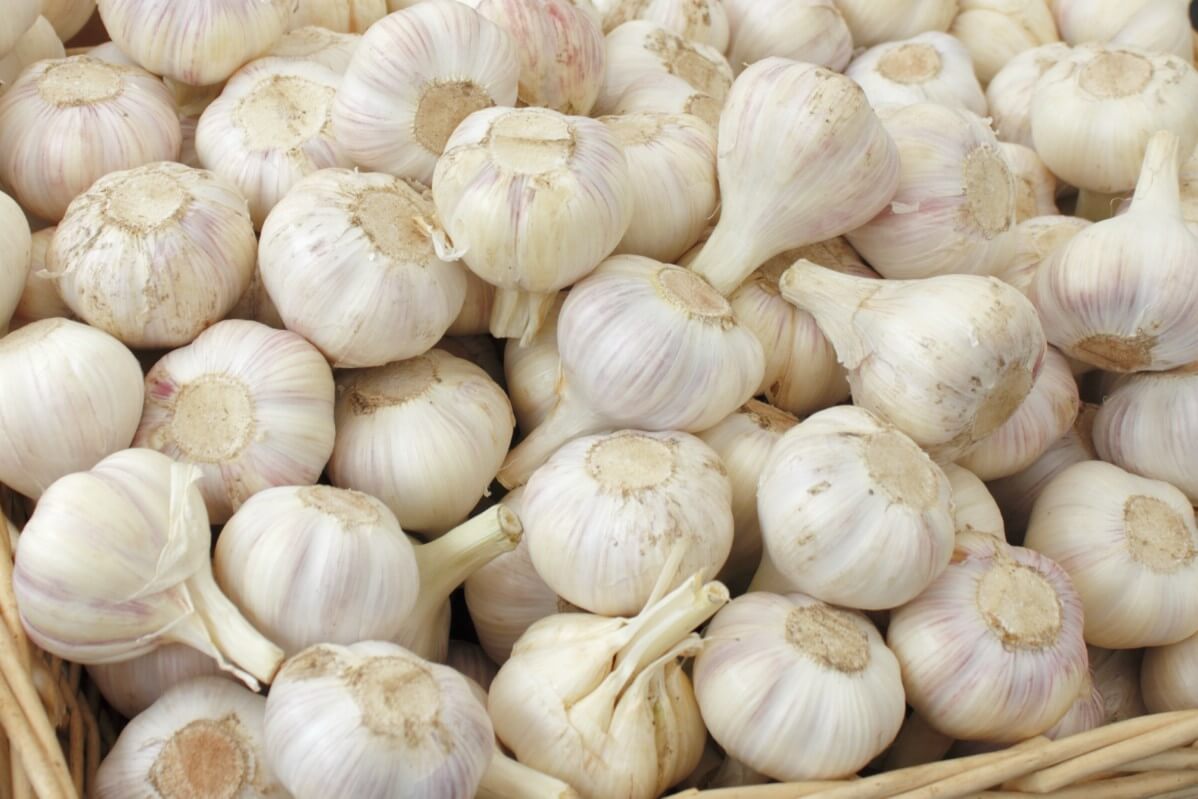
x=343 y=16
x=20 y=16
x=1130 y=545
x=853 y=512
x=349 y=259
x=824 y=134
x=644 y=346
x=1009 y=95
x=154 y=255
x=321 y=45
x=974 y=508
x=425 y=435
x=114 y=562
x=1167 y=676
x=1035 y=240
x=40 y=298
x=251 y=406
x=797 y=689
x=83 y=405
x=403 y=726
x=995 y=31
x=1035 y=186
x=415 y=76
x=1116 y=674
x=1122 y=294
x=993 y=650
x=663 y=93
x=202 y=738
x=200 y=43
x=701 y=21
x=131 y=686
x=929 y=68
x=873 y=22
x=67 y=122
x=947 y=379
x=16 y=257
x=812 y=31
x=36 y=44
x=531 y=372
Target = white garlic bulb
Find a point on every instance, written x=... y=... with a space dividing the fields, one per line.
x=796 y=689
x=1167 y=676
x=199 y=43
x=947 y=379
x=701 y=21
x=251 y=406
x=531 y=372
x=993 y=650
x=955 y=208
x=1145 y=426
x=425 y=435
x=114 y=562
x=474 y=319
x=1087 y=712
x=995 y=31
x=36 y=44
x=974 y=508
x=202 y=738
x=606 y=514
x=1082 y=21
x=68 y=16
x=350 y=261
x=644 y=346
x=826 y=135
x=16 y=257
x=1035 y=240
x=154 y=255
x=403 y=726
x=853 y=512
x=1035 y=186
x=92 y=118
x=1123 y=293
x=1130 y=545
x=663 y=93
x=1009 y=95
x=343 y=16
x=1116 y=675
x=20 y=15
x=83 y=405
x=812 y=31
x=1161 y=26
x=415 y=76
x=321 y=45
x=131 y=686
x=875 y=21
x=929 y=68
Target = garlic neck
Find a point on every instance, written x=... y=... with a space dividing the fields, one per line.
x=235 y=639
x=729 y=257
x=834 y=299
x=445 y=564
x=569 y=418
x=1158 y=191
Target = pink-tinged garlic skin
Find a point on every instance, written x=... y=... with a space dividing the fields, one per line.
x=812 y=31
x=1035 y=186
x=16 y=257
x=1035 y=240
x=342 y=16
x=68 y=16
x=325 y=47
x=37 y=43
x=19 y=17
x=701 y=21
x=133 y=685
x=932 y=67
x=40 y=298
x=66 y=123
x=1009 y=95
x=974 y=508
x=531 y=372
x=995 y=31
x=1167 y=676
x=873 y=22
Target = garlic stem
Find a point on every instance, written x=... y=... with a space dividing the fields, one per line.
x=234 y=637
x=728 y=258
x=445 y=563
x=506 y=778
x=833 y=299
x=1158 y=188
x=567 y=420
x=661 y=626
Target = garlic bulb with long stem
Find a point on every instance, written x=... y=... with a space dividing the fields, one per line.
x=701 y=21
x=1167 y=676
x=1130 y=546
x=68 y=16
x=974 y=508
x=67 y=122
x=343 y=16
x=36 y=44
x=873 y=22
x=1009 y=94
x=403 y=726
x=131 y=686
x=947 y=379
x=415 y=76
x=40 y=298
x=796 y=689
x=1035 y=240
x=932 y=67
x=853 y=512
x=351 y=262
x=1035 y=186
x=1161 y=26
x=83 y=406
x=531 y=372
x=663 y=93
x=321 y=45
x=1116 y=675
x=16 y=254
x=995 y=31
x=825 y=134
x=425 y=435
x=812 y=31
x=114 y=562
x=643 y=346
x=19 y=18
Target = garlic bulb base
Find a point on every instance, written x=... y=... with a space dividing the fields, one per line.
x=520 y=314
x=234 y=638
x=506 y=778
x=569 y=419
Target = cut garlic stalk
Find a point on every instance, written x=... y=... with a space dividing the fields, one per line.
x=929 y=68
x=36 y=44
x=531 y=372
x=1009 y=95
x=1167 y=676
x=321 y=45
x=995 y=31
x=16 y=257
x=1035 y=186
x=663 y=93
x=1035 y=240
x=876 y=21
x=701 y=21
x=974 y=509
x=947 y=379
x=343 y=16
x=825 y=134
x=131 y=686
x=812 y=31
x=1116 y=674
x=68 y=16
x=40 y=298
x=415 y=76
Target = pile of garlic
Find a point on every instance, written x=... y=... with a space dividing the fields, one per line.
x=778 y=380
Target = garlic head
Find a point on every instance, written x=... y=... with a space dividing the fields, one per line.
x=701 y=21
x=974 y=508
x=873 y=22
x=321 y=45
x=1009 y=95
x=20 y=17
x=36 y=44
x=342 y=16
x=995 y=31
x=929 y=68
x=131 y=686
x=812 y=31
x=16 y=254
x=1035 y=240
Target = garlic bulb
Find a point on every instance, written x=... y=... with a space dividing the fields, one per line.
x=131 y=686
x=947 y=379
x=16 y=254
x=974 y=509
x=1130 y=546
x=671 y=168
x=349 y=259
x=825 y=135
x=40 y=298
x=471 y=661
x=995 y=31
x=853 y=512
x=475 y=317
x=103 y=118
x=36 y=44
x=317 y=565
x=929 y=68
x=1147 y=92
x=20 y=17
x=154 y=255
x=1035 y=240
x=1035 y=186
x=198 y=43
x=320 y=45
x=955 y=208
x=1161 y=26
x=1131 y=430
x=114 y=562
x=1082 y=21
x=1087 y=712
x=701 y=21
x=1044 y=416
x=873 y=22
x=68 y=16
x=1116 y=674
x=604 y=704
x=796 y=689
x=425 y=435
x=812 y=31
x=1123 y=293
x=644 y=346
x=561 y=50
x=415 y=76
x=531 y=372
x=535 y=200
x=402 y=726
x=83 y=405
x=1009 y=95
x=1167 y=676
x=343 y=16
x=663 y=93
x=993 y=650
x=607 y=515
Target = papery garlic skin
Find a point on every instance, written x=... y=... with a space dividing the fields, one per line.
x=853 y=512
x=1116 y=674
x=774 y=670
x=414 y=77
x=325 y=47
x=200 y=43
x=995 y=31
x=425 y=435
x=873 y=22
x=701 y=21
x=40 y=298
x=342 y=16
x=20 y=17
x=1130 y=545
x=974 y=509
x=16 y=253
x=131 y=686
x=1167 y=676
x=531 y=372
x=51 y=426
x=1009 y=94
x=66 y=123
x=349 y=259
x=36 y=44
x=68 y=16
x=663 y=93
x=929 y=68
x=812 y=31
x=1035 y=240
x=1035 y=186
